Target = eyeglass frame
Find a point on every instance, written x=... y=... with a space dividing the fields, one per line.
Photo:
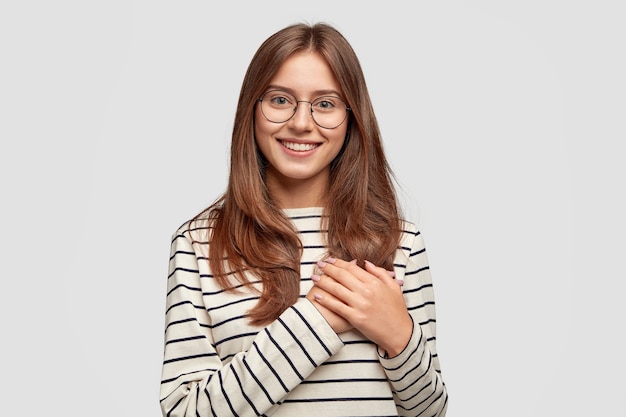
x=295 y=109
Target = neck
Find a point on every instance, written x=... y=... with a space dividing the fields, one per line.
x=294 y=193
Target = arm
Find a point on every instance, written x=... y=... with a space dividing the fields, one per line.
x=401 y=321
x=197 y=382
x=415 y=373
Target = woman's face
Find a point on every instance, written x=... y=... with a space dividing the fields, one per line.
x=299 y=151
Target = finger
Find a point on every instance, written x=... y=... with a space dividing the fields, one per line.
x=331 y=286
x=377 y=271
x=361 y=274
x=384 y=275
x=347 y=273
x=392 y=274
x=316 y=293
x=332 y=303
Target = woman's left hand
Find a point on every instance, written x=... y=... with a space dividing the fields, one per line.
x=370 y=299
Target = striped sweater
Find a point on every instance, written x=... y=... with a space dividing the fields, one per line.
x=217 y=364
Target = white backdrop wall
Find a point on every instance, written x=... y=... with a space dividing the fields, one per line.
x=502 y=120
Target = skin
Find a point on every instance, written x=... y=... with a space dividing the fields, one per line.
x=348 y=296
x=300 y=179
x=369 y=300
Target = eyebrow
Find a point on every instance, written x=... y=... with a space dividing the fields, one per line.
x=316 y=93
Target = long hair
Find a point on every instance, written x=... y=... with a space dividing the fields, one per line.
x=251 y=238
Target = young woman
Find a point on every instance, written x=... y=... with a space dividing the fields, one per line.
x=301 y=291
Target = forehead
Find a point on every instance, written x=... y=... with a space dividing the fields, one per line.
x=306 y=73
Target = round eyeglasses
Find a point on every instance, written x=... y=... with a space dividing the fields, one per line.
x=328 y=112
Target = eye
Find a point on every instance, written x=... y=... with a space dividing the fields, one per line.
x=279 y=98
x=326 y=103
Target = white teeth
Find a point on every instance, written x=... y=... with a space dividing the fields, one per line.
x=299 y=146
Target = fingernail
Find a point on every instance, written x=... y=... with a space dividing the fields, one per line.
x=321 y=264
x=400 y=282
x=315 y=278
x=353 y=261
x=392 y=273
x=330 y=260
x=317 y=296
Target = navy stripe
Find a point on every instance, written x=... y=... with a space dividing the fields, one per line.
x=298 y=342
x=269 y=366
x=312 y=331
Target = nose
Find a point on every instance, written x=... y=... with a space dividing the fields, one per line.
x=303 y=118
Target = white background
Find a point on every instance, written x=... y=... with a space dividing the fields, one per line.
x=504 y=122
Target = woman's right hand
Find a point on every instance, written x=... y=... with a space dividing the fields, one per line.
x=338 y=323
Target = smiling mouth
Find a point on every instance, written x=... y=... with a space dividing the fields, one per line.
x=299 y=147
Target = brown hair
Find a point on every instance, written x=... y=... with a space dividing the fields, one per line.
x=249 y=232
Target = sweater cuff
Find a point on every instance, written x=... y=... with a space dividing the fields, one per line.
x=409 y=350
x=317 y=326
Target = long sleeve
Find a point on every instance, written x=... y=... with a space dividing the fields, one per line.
x=198 y=381
x=415 y=374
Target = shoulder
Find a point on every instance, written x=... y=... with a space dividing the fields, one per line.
x=411 y=243
x=196 y=230
x=408 y=227
x=408 y=233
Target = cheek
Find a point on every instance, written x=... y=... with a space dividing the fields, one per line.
x=339 y=137
x=257 y=122
x=340 y=141
x=262 y=136
x=262 y=127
